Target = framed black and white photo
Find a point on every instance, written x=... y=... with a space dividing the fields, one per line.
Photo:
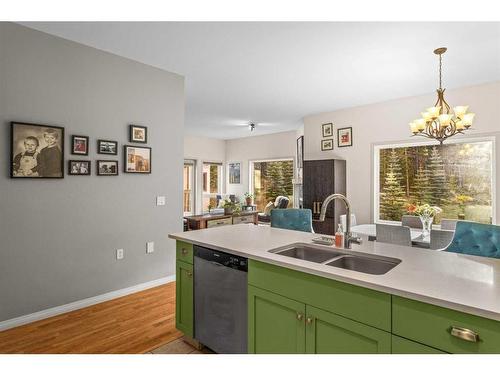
x=138 y=134
x=36 y=151
x=79 y=167
x=107 y=167
x=137 y=159
x=107 y=147
x=79 y=145
x=327 y=130
x=234 y=172
x=300 y=152
x=327 y=144
x=344 y=137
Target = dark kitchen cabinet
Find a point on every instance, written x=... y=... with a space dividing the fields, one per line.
x=320 y=179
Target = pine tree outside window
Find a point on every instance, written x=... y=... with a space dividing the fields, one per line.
x=457 y=177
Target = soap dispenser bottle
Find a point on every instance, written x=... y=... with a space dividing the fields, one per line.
x=339 y=237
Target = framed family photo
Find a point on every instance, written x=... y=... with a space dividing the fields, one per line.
x=137 y=159
x=234 y=172
x=107 y=167
x=107 y=147
x=138 y=134
x=327 y=130
x=79 y=167
x=79 y=145
x=344 y=137
x=36 y=151
x=327 y=144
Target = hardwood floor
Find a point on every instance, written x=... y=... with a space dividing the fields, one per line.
x=137 y=323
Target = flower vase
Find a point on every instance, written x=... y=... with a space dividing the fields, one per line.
x=426 y=224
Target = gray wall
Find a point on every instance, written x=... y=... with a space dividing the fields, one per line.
x=58 y=237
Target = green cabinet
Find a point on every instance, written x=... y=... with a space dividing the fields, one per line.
x=330 y=333
x=401 y=345
x=275 y=323
x=282 y=325
x=184 y=298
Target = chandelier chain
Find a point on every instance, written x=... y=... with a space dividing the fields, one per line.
x=440 y=68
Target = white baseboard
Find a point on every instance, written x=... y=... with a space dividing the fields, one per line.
x=39 y=315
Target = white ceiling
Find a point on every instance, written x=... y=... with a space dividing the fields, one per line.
x=276 y=73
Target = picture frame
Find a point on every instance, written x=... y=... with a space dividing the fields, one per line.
x=136 y=159
x=327 y=130
x=234 y=173
x=300 y=152
x=327 y=144
x=79 y=145
x=36 y=151
x=138 y=134
x=79 y=167
x=107 y=167
x=344 y=137
x=107 y=147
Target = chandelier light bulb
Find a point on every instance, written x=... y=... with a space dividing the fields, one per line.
x=459 y=125
x=460 y=110
x=444 y=119
x=413 y=127
x=420 y=123
x=434 y=111
x=467 y=119
x=427 y=116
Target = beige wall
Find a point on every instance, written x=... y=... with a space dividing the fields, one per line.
x=244 y=150
x=387 y=122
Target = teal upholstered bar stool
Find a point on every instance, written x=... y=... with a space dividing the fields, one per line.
x=292 y=218
x=476 y=239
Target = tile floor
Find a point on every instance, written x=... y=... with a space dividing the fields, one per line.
x=179 y=346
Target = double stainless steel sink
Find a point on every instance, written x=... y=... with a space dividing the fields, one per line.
x=346 y=259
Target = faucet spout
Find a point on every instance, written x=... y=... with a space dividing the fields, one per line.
x=348 y=237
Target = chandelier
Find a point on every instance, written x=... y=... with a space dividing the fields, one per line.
x=437 y=122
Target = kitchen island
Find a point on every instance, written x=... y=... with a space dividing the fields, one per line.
x=429 y=302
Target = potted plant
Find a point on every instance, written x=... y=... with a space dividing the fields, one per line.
x=248 y=198
x=230 y=207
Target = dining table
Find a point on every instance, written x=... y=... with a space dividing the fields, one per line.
x=370 y=230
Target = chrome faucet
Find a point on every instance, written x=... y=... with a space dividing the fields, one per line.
x=348 y=237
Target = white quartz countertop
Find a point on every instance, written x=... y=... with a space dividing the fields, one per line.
x=465 y=283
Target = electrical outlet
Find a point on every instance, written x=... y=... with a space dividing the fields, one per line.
x=119 y=254
x=160 y=200
x=150 y=247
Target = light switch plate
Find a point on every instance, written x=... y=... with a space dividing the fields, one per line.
x=150 y=247
x=160 y=200
x=119 y=254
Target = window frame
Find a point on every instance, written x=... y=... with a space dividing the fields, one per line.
x=192 y=163
x=220 y=182
x=376 y=170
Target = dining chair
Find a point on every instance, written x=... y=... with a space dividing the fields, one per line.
x=476 y=239
x=299 y=219
x=411 y=221
x=398 y=235
x=343 y=221
x=448 y=224
x=440 y=239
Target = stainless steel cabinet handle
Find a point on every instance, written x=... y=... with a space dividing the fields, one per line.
x=309 y=320
x=464 y=334
x=184 y=251
x=299 y=316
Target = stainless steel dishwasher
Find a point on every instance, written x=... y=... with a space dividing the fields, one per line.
x=220 y=300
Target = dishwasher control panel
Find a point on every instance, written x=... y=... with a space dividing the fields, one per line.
x=222 y=258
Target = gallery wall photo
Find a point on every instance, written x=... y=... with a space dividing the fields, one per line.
x=37 y=151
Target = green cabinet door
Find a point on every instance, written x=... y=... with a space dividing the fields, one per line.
x=184 y=298
x=329 y=333
x=275 y=323
x=401 y=345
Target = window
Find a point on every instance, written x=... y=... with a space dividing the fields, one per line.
x=212 y=184
x=189 y=189
x=269 y=179
x=457 y=177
